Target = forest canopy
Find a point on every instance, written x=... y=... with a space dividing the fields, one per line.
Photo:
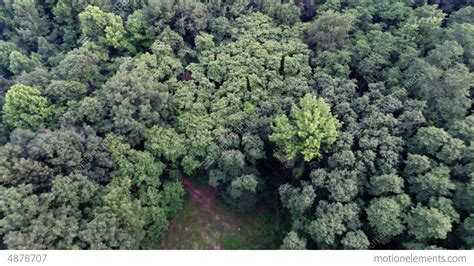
x=352 y=119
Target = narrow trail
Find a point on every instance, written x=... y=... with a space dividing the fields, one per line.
x=205 y=197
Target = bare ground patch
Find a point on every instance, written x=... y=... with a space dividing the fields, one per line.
x=205 y=224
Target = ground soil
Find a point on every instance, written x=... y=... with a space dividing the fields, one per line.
x=205 y=224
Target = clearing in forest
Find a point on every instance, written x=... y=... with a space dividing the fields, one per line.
x=204 y=223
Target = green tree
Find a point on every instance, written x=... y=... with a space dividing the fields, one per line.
x=20 y=63
x=355 y=240
x=283 y=13
x=297 y=200
x=466 y=231
x=25 y=22
x=48 y=220
x=118 y=223
x=328 y=31
x=428 y=223
x=445 y=206
x=102 y=27
x=172 y=198
x=241 y=192
x=37 y=157
x=463 y=15
x=423 y=26
x=385 y=217
x=433 y=183
x=212 y=89
x=464 y=196
x=443 y=82
x=191 y=17
x=138 y=97
x=293 y=241
x=25 y=108
x=79 y=65
x=384 y=184
x=60 y=92
x=437 y=143
x=165 y=143
x=311 y=129
x=332 y=221
x=140 y=172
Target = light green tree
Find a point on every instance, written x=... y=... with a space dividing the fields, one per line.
x=310 y=128
x=25 y=108
x=102 y=27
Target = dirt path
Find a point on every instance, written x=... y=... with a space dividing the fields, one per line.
x=204 y=224
x=205 y=197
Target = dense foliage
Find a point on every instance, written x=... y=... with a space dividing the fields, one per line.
x=354 y=117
